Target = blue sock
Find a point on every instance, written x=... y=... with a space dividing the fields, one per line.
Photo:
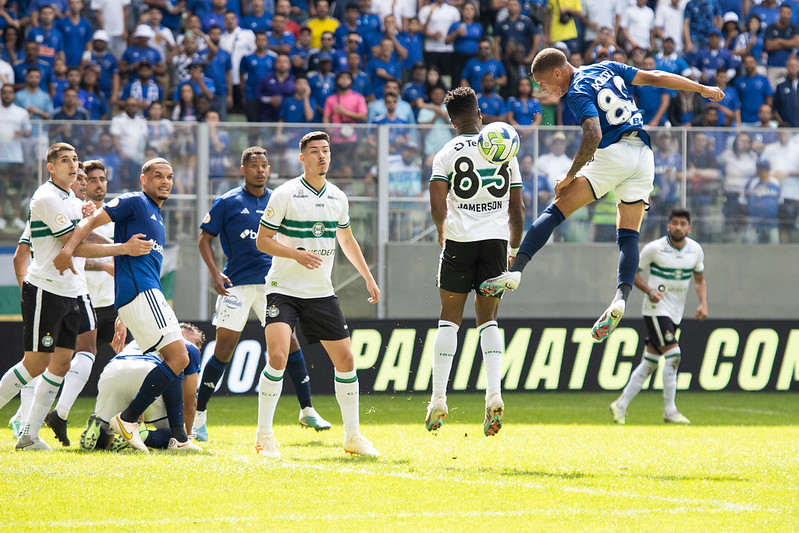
x=627 y=239
x=158 y=438
x=537 y=236
x=295 y=367
x=173 y=401
x=154 y=384
x=213 y=372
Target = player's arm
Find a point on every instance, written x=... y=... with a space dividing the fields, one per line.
x=189 y=400
x=667 y=80
x=267 y=244
x=351 y=248
x=701 y=292
x=221 y=281
x=21 y=256
x=93 y=265
x=438 y=206
x=592 y=135
x=654 y=295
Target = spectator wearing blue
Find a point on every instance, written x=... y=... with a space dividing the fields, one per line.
x=414 y=92
x=11 y=49
x=476 y=68
x=534 y=185
x=369 y=28
x=377 y=107
x=31 y=61
x=767 y=11
x=349 y=24
x=73 y=81
x=218 y=65
x=351 y=44
x=729 y=107
x=701 y=16
x=516 y=32
x=396 y=136
x=274 y=87
x=105 y=64
x=216 y=15
x=323 y=84
x=96 y=102
x=301 y=52
x=47 y=36
x=383 y=67
x=750 y=40
x=8 y=17
x=761 y=197
x=465 y=36
x=754 y=91
x=786 y=96
x=492 y=106
x=143 y=88
x=36 y=101
x=524 y=110
x=34 y=9
x=200 y=83
x=299 y=108
x=361 y=83
x=328 y=41
x=171 y=12
x=780 y=39
x=258 y=19
x=713 y=56
x=71 y=110
x=140 y=51
x=412 y=40
x=77 y=33
x=279 y=39
x=668 y=59
x=254 y=67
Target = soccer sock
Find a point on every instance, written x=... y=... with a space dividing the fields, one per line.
x=492 y=347
x=269 y=388
x=346 y=385
x=537 y=236
x=212 y=373
x=26 y=399
x=173 y=401
x=627 y=239
x=80 y=368
x=671 y=363
x=642 y=371
x=12 y=382
x=200 y=418
x=151 y=388
x=444 y=348
x=43 y=398
x=158 y=438
x=298 y=373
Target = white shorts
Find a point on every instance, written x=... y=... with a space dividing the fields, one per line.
x=119 y=383
x=626 y=166
x=233 y=311
x=151 y=321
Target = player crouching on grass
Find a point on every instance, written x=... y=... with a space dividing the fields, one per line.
x=122 y=378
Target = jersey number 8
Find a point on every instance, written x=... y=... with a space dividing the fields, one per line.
x=617 y=111
x=466 y=181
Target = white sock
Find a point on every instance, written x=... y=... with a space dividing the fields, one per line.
x=80 y=368
x=492 y=346
x=200 y=418
x=43 y=398
x=346 y=385
x=12 y=382
x=637 y=378
x=26 y=399
x=269 y=388
x=444 y=348
x=671 y=362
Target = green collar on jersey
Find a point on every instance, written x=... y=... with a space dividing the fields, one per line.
x=311 y=188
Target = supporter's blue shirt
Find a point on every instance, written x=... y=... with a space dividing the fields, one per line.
x=412 y=91
x=133 y=213
x=414 y=44
x=256 y=24
x=96 y=104
x=491 y=104
x=786 y=103
x=767 y=15
x=255 y=68
x=466 y=44
x=150 y=92
x=292 y=110
x=665 y=189
x=212 y=19
x=362 y=84
x=753 y=92
x=648 y=101
x=279 y=40
x=217 y=70
x=700 y=15
x=520 y=33
x=600 y=90
x=762 y=201
x=108 y=67
x=524 y=110
x=234 y=217
x=391 y=66
x=674 y=64
x=199 y=7
x=134 y=54
x=270 y=86
x=778 y=58
x=368 y=24
x=50 y=42
x=21 y=70
x=393 y=133
x=731 y=102
x=475 y=69
x=75 y=38
x=707 y=62
x=322 y=86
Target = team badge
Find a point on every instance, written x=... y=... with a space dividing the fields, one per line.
x=270 y=211
x=273 y=312
x=207 y=218
x=669 y=337
x=47 y=341
x=678 y=273
x=318 y=229
x=60 y=220
x=113 y=203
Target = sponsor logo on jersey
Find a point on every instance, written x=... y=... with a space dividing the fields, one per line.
x=232 y=302
x=157 y=247
x=299 y=194
x=248 y=233
x=324 y=252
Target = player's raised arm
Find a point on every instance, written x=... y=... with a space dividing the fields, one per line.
x=667 y=80
x=592 y=136
x=351 y=249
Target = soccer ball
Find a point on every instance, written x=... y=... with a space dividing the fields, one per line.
x=498 y=142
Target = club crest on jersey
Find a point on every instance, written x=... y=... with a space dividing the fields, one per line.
x=318 y=229
x=669 y=337
x=270 y=212
x=273 y=312
x=60 y=219
x=47 y=341
x=113 y=203
x=207 y=218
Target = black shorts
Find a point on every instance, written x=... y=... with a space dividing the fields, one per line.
x=465 y=265
x=106 y=318
x=787 y=214
x=88 y=320
x=662 y=331
x=48 y=320
x=320 y=318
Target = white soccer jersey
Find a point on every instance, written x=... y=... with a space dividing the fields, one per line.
x=99 y=283
x=670 y=272
x=479 y=191
x=54 y=213
x=305 y=218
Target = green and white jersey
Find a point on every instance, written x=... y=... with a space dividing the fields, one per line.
x=479 y=191
x=306 y=219
x=54 y=212
x=101 y=284
x=670 y=271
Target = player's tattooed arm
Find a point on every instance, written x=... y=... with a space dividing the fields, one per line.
x=98 y=239
x=592 y=135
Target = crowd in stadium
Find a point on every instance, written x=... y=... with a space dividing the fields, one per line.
x=152 y=66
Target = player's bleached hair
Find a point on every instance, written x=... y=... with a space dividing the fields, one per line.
x=251 y=152
x=680 y=212
x=94 y=164
x=148 y=166
x=187 y=326
x=461 y=102
x=57 y=148
x=546 y=60
x=314 y=136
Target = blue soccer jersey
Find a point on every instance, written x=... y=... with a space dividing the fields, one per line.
x=134 y=213
x=132 y=352
x=600 y=90
x=235 y=217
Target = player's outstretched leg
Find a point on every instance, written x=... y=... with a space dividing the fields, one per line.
x=80 y=368
x=444 y=347
x=492 y=346
x=644 y=369
x=671 y=361
x=25 y=402
x=536 y=237
x=627 y=240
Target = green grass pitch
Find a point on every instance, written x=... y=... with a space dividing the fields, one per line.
x=559 y=464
